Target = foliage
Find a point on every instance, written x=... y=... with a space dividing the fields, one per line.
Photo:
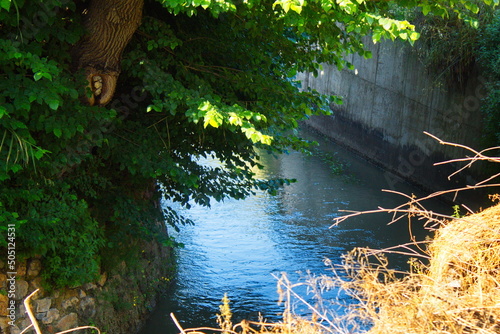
x=200 y=80
x=447 y=48
x=489 y=57
x=448 y=45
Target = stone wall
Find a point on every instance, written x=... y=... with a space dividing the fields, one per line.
x=118 y=302
x=389 y=101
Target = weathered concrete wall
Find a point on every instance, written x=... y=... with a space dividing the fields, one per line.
x=389 y=101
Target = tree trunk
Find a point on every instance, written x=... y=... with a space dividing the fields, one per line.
x=110 y=25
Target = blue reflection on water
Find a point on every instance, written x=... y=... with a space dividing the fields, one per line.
x=236 y=246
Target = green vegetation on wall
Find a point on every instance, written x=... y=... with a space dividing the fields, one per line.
x=449 y=45
x=198 y=79
x=489 y=58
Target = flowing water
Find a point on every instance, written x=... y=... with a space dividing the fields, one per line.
x=236 y=247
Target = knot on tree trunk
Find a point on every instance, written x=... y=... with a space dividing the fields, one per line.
x=102 y=85
x=110 y=25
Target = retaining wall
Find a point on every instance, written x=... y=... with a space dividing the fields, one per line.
x=389 y=101
x=118 y=302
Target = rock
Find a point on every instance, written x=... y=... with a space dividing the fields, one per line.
x=14 y=329
x=81 y=294
x=67 y=322
x=42 y=305
x=52 y=315
x=123 y=265
x=40 y=316
x=102 y=279
x=4 y=303
x=21 y=289
x=36 y=283
x=25 y=323
x=4 y=324
x=71 y=302
x=21 y=268
x=89 y=286
x=87 y=307
x=3 y=281
x=21 y=310
x=34 y=268
x=67 y=294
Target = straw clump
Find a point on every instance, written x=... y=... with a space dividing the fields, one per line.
x=458 y=291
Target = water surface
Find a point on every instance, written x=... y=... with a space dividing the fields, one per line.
x=235 y=247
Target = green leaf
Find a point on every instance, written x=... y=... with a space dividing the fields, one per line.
x=426 y=9
x=57 y=133
x=376 y=36
x=292 y=72
x=414 y=36
x=39 y=153
x=385 y=22
x=5 y=4
x=37 y=76
x=53 y=104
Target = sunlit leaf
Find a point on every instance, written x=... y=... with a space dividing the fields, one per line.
x=5 y=4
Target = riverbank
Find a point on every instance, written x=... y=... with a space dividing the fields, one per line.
x=118 y=302
x=388 y=103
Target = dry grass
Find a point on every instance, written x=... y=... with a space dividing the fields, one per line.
x=457 y=292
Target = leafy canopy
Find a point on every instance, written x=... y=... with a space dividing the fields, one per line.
x=200 y=79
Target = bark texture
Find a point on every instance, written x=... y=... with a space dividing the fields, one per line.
x=110 y=25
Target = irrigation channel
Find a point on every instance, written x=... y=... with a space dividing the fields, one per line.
x=235 y=247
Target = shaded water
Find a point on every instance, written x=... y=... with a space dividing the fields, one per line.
x=236 y=246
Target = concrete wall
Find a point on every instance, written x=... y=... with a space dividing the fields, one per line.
x=389 y=101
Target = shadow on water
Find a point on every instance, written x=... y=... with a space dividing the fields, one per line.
x=235 y=246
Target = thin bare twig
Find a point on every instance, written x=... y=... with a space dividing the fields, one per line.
x=289 y=287
x=478 y=156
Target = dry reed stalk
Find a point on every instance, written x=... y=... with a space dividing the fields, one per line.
x=291 y=325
